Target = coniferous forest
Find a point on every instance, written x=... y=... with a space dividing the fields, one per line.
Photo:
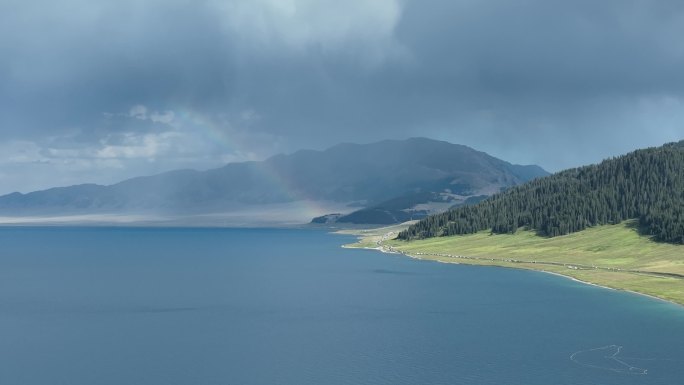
x=647 y=185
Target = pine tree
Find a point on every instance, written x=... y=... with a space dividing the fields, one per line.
x=647 y=185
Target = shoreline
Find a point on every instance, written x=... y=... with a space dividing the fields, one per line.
x=389 y=250
x=610 y=288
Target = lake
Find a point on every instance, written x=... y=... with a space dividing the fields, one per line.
x=162 y=306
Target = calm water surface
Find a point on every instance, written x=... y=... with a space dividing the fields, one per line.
x=126 y=306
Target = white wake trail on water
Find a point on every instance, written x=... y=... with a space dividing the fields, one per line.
x=608 y=359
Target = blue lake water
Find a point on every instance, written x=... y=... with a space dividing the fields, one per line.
x=127 y=306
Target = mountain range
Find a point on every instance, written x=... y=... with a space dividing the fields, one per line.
x=385 y=182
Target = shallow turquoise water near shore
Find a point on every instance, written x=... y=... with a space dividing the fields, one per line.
x=271 y=306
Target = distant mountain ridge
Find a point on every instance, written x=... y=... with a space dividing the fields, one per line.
x=364 y=173
x=647 y=185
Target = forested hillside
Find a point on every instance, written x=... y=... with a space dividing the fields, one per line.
x=647 y=185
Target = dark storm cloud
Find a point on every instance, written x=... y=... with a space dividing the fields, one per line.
x=559 y=83
x=577 y=48
x=69 y=61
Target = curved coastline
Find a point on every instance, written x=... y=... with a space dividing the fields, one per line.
x=383 y=250
x=373 y=240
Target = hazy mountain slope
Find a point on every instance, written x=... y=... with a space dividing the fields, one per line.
x=406 y=208
x=368 y=173
x=647 y=185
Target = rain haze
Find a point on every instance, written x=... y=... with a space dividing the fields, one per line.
x=99 y=91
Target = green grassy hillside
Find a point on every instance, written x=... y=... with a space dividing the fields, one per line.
x=615 y=256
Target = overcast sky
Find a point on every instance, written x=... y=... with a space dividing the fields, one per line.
x=97 y=91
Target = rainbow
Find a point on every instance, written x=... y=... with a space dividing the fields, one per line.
x=217 y=133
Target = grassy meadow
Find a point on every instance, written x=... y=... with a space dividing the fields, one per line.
x=615 y=256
